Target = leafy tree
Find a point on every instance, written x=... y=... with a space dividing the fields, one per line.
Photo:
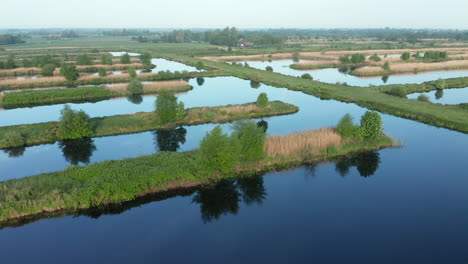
x=307 y=76
x=440 y=84
x=371 y=126
x=102 y=72
x=358 y=58
x=405 y=56
x=269 y=69
x=74 y=124
x=346 y=127
x=375 y=57
x=69 y=71
x=48 y=69
x=106 y=59
x=200 y=66
x=135 y=87
x=219 y=152
x=423 y=98
x=344 y=59
x=386 y=66
x=296 y=56
x=166 y=107
x=84 y=59
x=262 y=100
x=251 y=138
x=10 y=63
x=132 y=73
x=397 y=91
x=180 y=112
x=145 y=58
x=125 y=59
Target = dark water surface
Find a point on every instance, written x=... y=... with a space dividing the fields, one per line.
x=404 y=205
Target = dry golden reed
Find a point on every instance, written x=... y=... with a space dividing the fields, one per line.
x=298 y=143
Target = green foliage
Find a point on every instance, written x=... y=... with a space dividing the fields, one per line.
x=346 y=127
x=48 y=69
x=74 y=124
x=307 y=76
x=358 y=58
x=200 y=66
x=440 y=84
x=344 y=59
x=84 y=59
x=386 y=66
x=106 y=59
x=435 y=55
x=262 y=100
x=252 y=140
x=375 y=57
x=397 y=91
x=132 y=73
x=296 y=56
x=423 y=98
x=405 y=56
x=102 y=72
x=69 y=71
x=135 y=87
x=12 y=139
x=269 y=69
x=180 y=112
x=145 y=58
x=166 y=107
x=371 y=127
x=219 y=152
x=125 y=59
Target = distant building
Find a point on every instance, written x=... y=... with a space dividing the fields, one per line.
x=246 y=44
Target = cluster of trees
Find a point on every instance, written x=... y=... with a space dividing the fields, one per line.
x=435 y=55
x=353 y=59
x=370 y=128
x=7 y=39
x=168 y=110
x=69 y=34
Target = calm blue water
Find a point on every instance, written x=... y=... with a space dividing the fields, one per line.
x=405 y=205
x=446 y=96
x=332 y=75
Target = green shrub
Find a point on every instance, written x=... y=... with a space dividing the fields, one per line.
x=346 y=127
x=386 y=66
x=166 y=107
x=200 y=66
x=375 y=57
x=269 y=69
x=132 y=73
x=423 y=98
x=262 y=100
x=135 y=87
x=12 y=139
x=106 y=59
x=69 y=71
x=397 y=91
x=145 y=58
x=125 y=59
x=84 y=59
x=180 y=112
x=74 y=124
x=218 y=152
x=252 y=140
x=440 y=84
x=405 y=56
x=102 y=72
x=307 y=76
x=371 y=126
x=48 y=69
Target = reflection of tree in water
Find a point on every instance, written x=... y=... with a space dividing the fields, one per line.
x=15 y=152
x=263 y=124
x=439 y=94
x=366 y=163
x=224 y=197
x=135 y=99
x=170 y=139
x=385 y=78
x=255 y=84
x=200 y=81
x=252 y=189
x=221 y=199
x=77 y=150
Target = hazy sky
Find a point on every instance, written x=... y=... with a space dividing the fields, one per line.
x=240 y=13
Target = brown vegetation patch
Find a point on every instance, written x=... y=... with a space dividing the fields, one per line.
x=295 y=144
x=414 y=67
x=150 y=86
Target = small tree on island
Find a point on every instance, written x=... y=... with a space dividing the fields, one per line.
x=48 y=69
x=386 y=66
x=307 y=76
x=106 y=59
x=167 y=107
x=346 y=127
x=102 y=72
x=251 y=138
x=180 y=112
x=262 y=100
x=135 y=87
x=74 y=124
x=69 y=71
x=405 y=56
x=218 y=152
x=200 y=66
x=269 y=69
x=132 y=73
x=371 y=127
x=125 y=59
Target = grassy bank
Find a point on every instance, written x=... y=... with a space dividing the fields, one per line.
x=83 y=94
x=41 y=133
x=111 y=182
x=460 y=82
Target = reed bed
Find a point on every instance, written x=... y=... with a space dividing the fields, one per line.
x=299 y=143
x=51 y=79
x=20 y=69
x=414 y=67
x=150 y=86
x=113 y=66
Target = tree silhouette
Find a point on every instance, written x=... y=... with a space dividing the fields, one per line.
x=135 y=99
x=170 y=139
x=77 y=150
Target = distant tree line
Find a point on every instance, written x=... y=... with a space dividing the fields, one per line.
x=8 y=39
